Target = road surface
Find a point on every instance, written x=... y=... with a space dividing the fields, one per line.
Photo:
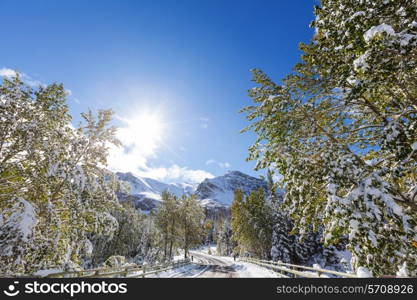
x=217 y=267
x=212 y=266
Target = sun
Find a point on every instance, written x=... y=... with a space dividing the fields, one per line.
x=147 y=128
x=143 y=133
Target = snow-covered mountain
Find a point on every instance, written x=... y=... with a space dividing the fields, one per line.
x=146 y=192
x=215 y=193
x=219 y=191
x=153 y=188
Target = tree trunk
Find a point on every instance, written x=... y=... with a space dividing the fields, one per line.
x=165 y=246
x=170 y=250
x=186 y=245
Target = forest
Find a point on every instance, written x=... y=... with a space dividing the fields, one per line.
x=337 y=137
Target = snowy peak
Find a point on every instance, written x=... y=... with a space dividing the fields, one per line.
x=216 y=193
x=220 y=190
x=153 y=188
x=145 y=193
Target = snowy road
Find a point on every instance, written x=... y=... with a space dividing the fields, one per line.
x=211 y=266
x=216 y=267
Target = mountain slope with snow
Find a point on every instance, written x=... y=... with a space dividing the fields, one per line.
x=145 y=193
x=149 y=186
x=215 y=193
x=219 y=191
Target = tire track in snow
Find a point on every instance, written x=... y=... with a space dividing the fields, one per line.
x=216 y=266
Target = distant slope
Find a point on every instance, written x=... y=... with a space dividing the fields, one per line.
x=146 y=192
x=216 y=193
x=152 y=187
x=219 y=191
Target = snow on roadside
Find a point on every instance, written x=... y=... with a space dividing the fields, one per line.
x=190 y=271
x=205 y=249
x=253 y=271
x=248 y=270
x=46 y=272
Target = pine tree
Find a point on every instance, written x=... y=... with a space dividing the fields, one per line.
x=282 y=240
x=225 y=244
x=126 y=240
x=54 y=189
x=252 y=223
x=341 y=130
x=166 y=219
x=149 y=247
x=282 y=243
x=190 y=221
x=209 y=231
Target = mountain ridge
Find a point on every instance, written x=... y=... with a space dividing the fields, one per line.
x=213 y=193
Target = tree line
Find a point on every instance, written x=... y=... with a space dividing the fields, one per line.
x=260 y=226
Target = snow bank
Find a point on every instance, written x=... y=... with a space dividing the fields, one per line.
x=253 y=271
x=205 y=249
x=46 y=272
x=248 y=270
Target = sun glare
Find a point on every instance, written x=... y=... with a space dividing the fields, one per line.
x=143 y=132
x=147 y=127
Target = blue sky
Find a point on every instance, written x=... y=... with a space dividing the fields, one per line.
x=183 y=63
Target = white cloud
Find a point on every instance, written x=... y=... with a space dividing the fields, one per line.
x=204 y=122
x=175 y=173
x=123 y=160
x=220 y=164
x=141 y=138
x=140 y=143
x=224 y=165
x=7 y=72
x=210 y=161
x=31 y=82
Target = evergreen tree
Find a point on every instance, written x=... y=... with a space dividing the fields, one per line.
x=225 y=244
x=272 y=189
x=238 y=219
x=166 y=219
x=252 y=223
x=149 y=248
x=341 y=129
x=209 y=231
x=282 y=240
x=54 y=189
x=190 y=221
x=126 y=240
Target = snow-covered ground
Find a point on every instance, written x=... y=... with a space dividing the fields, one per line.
x=248 y=270
x=205 y=265
x=188 y=271
x=205 y=249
